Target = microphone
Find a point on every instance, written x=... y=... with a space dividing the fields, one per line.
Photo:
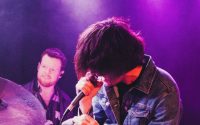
x=95 y=80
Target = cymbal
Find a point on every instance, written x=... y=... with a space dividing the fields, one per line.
x=18 y=106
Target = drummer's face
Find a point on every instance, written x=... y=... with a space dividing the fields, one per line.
x=49 y=71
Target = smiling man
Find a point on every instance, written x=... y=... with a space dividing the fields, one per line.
x=49 y=70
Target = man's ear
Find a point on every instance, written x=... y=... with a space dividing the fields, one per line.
x=38 y=66
x=61 y=74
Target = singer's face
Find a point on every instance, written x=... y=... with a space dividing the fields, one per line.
x=112 y=81
x=128 y=78
x=49 y=71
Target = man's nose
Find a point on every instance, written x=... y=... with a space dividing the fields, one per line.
x=47 y=70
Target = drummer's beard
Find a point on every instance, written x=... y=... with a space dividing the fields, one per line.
x=46 y=82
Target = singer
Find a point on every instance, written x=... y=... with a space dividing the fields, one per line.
x=135 y=91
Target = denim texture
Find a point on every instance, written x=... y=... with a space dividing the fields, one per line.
x=153 y=100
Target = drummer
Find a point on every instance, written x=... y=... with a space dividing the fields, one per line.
x=49 y=70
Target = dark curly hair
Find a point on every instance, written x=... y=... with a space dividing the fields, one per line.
x=108 y=47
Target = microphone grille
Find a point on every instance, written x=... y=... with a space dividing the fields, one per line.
x=92 y=77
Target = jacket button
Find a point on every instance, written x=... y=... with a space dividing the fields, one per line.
x=107 y=103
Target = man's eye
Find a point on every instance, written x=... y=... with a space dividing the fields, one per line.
x=52 y=70
x=43 y=66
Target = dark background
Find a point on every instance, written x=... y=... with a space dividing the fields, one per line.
x=170 y=29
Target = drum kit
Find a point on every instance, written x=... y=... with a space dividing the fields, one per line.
x=18 y=106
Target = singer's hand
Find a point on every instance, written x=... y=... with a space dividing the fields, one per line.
x=89 y=90
x=84 y=119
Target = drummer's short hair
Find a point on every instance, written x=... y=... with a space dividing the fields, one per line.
x=55 y=53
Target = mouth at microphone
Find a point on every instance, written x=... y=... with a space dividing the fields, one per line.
x=94 y=79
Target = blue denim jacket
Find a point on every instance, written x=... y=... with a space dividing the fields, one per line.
x=155 y=100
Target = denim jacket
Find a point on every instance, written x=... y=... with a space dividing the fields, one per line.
x=155 y=100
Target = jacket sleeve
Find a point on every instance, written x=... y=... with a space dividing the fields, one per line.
x=168 y=110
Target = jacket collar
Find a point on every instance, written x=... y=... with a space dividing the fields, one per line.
x=147 y=76
x=144 y=84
